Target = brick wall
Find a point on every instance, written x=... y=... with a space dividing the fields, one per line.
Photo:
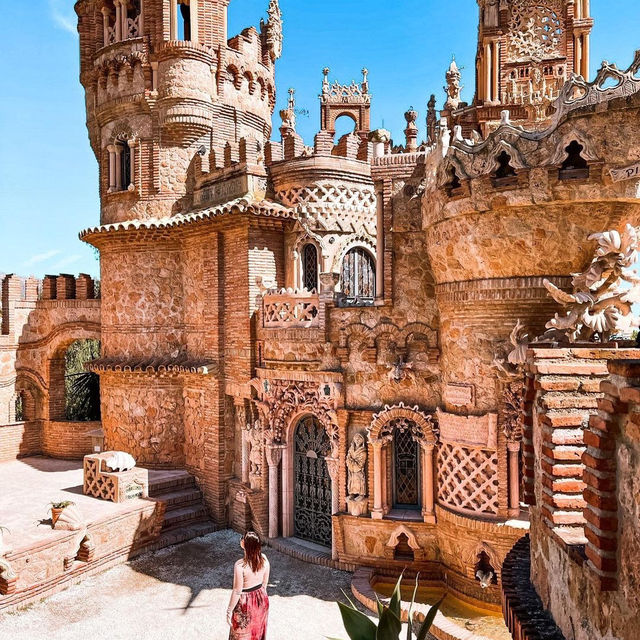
x=67 y=440
x=20 y=440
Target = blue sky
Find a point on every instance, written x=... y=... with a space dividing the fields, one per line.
x=48 y=175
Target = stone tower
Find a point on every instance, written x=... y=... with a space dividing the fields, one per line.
x=178 y=116
x=166 y=91
x=527 y=49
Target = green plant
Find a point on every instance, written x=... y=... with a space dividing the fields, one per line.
x=62 y=504
x=359 y=627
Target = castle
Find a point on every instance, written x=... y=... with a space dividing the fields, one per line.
x=314 y=332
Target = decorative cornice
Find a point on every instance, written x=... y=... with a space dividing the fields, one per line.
x=498 y=289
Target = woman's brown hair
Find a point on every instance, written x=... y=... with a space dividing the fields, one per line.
x=253 y=551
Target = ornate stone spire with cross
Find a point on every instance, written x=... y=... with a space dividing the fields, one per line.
x=288 y=115
x=274 y=30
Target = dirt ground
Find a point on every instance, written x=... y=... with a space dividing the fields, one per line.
x=182 y=592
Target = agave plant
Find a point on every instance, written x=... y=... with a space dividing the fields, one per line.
x=359 y=627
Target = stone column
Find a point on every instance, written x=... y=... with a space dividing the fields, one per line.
x=245 y=455
x=487 y=72
x=173 y=20
x=495 y=73
x=428 y=510
x=274 y=456
x=105 y=25
x=377 y=511
x=112 y=167
x=193 y=12
x=577 y=54
x=118 y=20
x=332 y=468
x=514 y=479
x=133 y=144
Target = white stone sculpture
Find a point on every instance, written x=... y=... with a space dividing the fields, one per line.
x=357 y=501
x=485 y=578
x=453 y=88
x=603 y=294
x=120 y=461
x=71 y=519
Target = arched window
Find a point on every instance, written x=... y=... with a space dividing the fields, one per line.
x=358 y=277
x=81 y=388
x=184 y=20
x=121 y=20
x=309 y=267
x=120 y=166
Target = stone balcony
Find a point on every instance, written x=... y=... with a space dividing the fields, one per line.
x=290 y=309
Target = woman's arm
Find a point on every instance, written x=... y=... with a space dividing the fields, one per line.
x=267 y=570
x=237 y=590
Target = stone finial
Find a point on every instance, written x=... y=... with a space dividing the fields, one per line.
x=411 y=132
x=453 y=88
x=288 y=116
x=365 y=81
x=432 y=120
x=325 y=80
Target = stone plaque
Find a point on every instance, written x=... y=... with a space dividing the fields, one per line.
x=459 y=394
x=628 y=173
x=470 y=431
x=222 y=191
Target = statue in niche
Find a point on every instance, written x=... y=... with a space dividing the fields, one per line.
x=357 y=481
x=255 y=455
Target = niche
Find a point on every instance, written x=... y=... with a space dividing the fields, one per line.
x=574 y=167
x=505 y=174
x=484 y=572
x=454 y=186
x=403 y=551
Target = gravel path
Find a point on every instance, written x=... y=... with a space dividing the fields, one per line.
x=182 y=593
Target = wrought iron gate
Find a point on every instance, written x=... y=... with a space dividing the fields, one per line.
x=312 y=484
x=406 y=458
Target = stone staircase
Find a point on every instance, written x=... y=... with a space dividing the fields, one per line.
x=185 y=516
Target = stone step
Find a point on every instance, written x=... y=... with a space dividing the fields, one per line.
x=181 y=498
x=182 y=533
x=169 y=481
x=184 y=515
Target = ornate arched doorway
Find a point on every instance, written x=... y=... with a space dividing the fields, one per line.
x=311 y=482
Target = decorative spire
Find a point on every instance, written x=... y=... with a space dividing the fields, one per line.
x=432 y=120
x=274 y=30
x=453 y=88
x=288 y=116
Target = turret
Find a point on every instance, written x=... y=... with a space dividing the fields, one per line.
x=163 y=83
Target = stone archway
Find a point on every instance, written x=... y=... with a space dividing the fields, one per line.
x=415 y=425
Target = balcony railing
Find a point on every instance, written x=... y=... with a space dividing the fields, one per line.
x=289 y=309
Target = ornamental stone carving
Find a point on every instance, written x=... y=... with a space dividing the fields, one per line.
x=601 y=304
x=255 y=454
x=385 y=423
x=274 y=30
x=512 y=413
x=536 y=30
x=453 y=88
x=284 y=399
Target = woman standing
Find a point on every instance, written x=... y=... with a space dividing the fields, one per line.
x=249 y=605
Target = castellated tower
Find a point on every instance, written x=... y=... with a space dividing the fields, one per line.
x=178 y=116
x=527 y=49
x=163 y=84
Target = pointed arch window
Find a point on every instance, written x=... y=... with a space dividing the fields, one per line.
x=310 y=267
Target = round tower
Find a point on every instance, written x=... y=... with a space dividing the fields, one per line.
x=166 y=92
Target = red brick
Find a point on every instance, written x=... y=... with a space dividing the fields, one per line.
x=608 y=564
x=604 y=443
x=603 y=522
x=605 y=501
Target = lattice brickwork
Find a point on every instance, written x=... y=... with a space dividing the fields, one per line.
x=114 y=486
x=468 y=479
x=290 y=310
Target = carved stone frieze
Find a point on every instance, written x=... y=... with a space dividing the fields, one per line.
x=282 y=400
x=400 y=418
